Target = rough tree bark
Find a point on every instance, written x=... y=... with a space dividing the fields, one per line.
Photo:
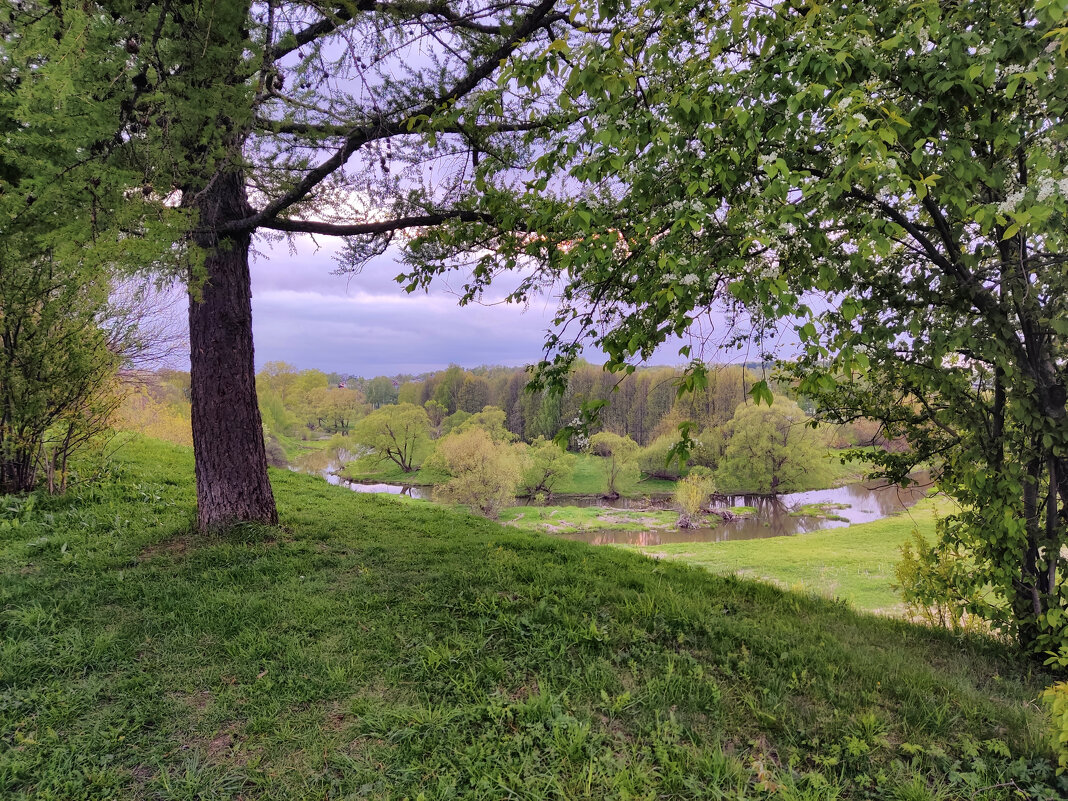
x=231 y=461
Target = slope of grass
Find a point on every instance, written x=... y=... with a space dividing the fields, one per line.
x=376 y=648
x=855 y=563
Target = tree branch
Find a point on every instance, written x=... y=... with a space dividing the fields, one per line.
x=361 y=136
x=331 y=130
x=378 y=227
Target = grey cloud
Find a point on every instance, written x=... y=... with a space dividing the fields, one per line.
x=384 y=334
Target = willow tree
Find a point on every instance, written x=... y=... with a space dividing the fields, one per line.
x=355 y=119
x=892 y=181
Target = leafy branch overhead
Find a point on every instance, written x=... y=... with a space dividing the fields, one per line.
x=889 y=181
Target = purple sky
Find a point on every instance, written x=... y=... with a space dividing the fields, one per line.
x=367 y=325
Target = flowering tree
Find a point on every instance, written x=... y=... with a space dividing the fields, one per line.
x=892 y=180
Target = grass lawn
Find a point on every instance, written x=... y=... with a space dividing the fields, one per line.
x=376 y=648
x=855 y=563
x=590 y=478
x=572 y=519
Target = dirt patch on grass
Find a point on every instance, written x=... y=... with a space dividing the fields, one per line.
x=178 y=546
x=221 y=745
x=525 y=691
x=226 y=747
x=198 y=701
x=552 y=528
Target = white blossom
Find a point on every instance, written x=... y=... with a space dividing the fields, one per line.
x=1010 y=203
x=1046 y=187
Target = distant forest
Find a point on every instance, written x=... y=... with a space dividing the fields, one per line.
x=304 y=404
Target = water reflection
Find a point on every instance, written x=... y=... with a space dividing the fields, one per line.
x=867 y=501
x=327 y=463
x=389 y=489
x=773 y=517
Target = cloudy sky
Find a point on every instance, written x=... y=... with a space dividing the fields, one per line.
x=367 y=325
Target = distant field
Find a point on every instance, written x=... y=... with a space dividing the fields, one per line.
x=854 y=563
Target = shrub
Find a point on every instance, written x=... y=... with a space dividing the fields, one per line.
x=653 y=459
x=544 y=465
x=936 y=588
x=692 y=491
x=483 y=474
x=276 y=455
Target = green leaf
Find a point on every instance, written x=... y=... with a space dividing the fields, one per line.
x=761 y=392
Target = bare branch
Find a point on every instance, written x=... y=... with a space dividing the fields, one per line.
x=378 y=227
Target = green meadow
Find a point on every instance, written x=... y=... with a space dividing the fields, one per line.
x=370 y=647
x=854 y=563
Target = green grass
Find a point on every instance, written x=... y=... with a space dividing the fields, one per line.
x=377 y=648
x=821 y=511
x=574 y=519
x=855 y=563
x=590 y=478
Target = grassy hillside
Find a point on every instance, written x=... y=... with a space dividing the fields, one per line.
x=381 y=648
x=854 y=563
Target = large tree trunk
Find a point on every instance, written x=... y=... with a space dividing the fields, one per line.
x=231 y=463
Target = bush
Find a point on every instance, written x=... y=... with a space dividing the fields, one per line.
x=1056 y=701
x=936 y=588
x=544 y=464
x=692 y=491
x=483 y=474
x=276 y=455
x=653 y=459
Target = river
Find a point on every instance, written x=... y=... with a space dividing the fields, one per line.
x=775 y=515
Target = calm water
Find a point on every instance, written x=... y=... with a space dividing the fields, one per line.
x=868 y=501
x=389 y=489
x=865 y=502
